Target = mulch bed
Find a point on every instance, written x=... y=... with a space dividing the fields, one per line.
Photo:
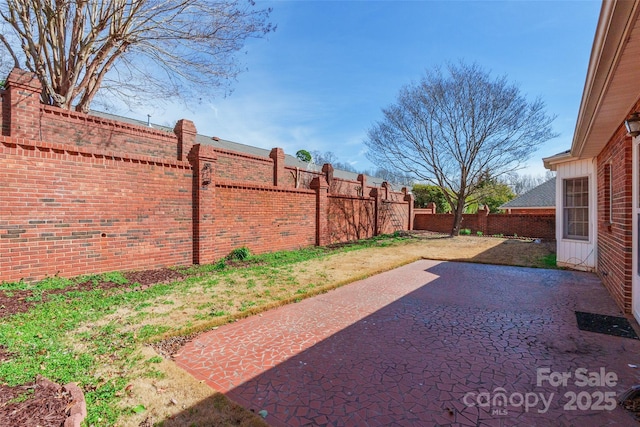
x=40 y=403
x=170 y=346
x=43 y=403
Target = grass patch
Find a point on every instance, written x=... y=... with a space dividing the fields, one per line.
x=95 y=337
x=549 y=261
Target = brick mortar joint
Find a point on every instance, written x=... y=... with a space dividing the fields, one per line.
x=250 y=186
x=244 y=155
x=47 y=146
x=49 y=109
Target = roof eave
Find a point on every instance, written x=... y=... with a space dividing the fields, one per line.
x=617 y=20
x=552 y=162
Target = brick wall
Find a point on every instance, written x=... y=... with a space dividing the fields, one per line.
x=264 y=219
x=299 y=178
x=85 y=131
x=81 y=194
x=241 y=167
x=4 y=113
x=525 y=211
x=541 y=226
x=347 y=188
x=524 y=225
x=614 y=165
x=350 y=218
x=70 y=212
x=394 y=215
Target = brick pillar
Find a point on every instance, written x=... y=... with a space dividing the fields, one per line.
x=363 y=184
x=377 y=204
x=277 y=154
x=385 y=190
x=408 y=197
x=22 y=102
x=4 y=113
x=328 y=173
x=482 y=216
x=202 y=159
x=322 y=207
x=195 y=202
x=186 y=132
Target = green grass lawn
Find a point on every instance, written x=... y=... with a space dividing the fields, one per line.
x=93 y=337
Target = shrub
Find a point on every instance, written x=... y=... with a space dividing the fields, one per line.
x=479 y=233
x=465 y=232
x=239 y=254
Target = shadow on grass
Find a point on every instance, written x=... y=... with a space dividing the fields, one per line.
x=518 y=253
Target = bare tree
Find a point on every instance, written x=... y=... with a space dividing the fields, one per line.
x=393 y=176
x=457 y=126
x=521 y=183
x=320 y=158
x=134 y=49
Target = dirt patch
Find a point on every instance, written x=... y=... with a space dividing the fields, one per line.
x=487 y=250
x=180 y=400
x=20 y=301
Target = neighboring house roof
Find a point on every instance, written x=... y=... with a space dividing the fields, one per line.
x=290 y=160
x=552 y=161
x=542 y=196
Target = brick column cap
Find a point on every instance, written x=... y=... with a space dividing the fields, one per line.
x=327 y=168
x=317 y=183
x=185 y=126
x=23 y=79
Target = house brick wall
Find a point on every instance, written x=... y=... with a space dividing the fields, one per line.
x=615 y=233
x=80 y=194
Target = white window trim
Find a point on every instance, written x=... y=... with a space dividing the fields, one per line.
x=565 y=235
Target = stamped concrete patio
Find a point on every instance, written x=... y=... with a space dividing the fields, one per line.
x=427 y=344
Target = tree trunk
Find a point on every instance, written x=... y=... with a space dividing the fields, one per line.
x=457 y=216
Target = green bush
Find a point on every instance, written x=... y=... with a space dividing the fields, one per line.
x=240 y=254
x=465 y=232
x=479 y=233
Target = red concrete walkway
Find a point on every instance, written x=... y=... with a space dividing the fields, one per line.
x=427 y=344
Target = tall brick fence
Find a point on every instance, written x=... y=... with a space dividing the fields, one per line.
x=82 y=194
x=541 y=226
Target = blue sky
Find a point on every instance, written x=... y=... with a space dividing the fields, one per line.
x=320 y=81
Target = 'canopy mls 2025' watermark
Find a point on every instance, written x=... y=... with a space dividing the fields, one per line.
x=500 y=402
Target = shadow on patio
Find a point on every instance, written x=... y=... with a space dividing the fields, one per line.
x=417 y=346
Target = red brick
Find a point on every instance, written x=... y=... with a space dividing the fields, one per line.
x=82 y=194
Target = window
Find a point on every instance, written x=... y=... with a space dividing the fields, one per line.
x=576 y=208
